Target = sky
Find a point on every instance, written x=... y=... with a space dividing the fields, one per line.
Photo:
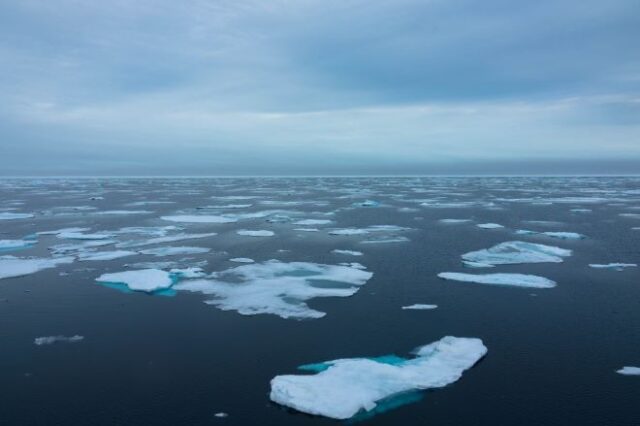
x=304 y=87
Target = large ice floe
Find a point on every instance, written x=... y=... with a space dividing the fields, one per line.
x=344 y=388
x=7 y=245
x=11 y=266
x=277 y=288
x=11 y=216
x=614 y=266
x=514 y=252
x=255 y=233
x=516 y=280
x=146 y=280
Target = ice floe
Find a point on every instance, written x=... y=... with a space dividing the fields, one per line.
x=147 y=280
x=514 y=252
x=6 y=245
x=489 y=225
x=241 y=260
x=629 y=371
x=255 y=233
x=49 y=340
x=81 y=236
x=105 y=255
x=614 y=266
x=565 y=235
x=278 y=288
x=312 y=222
x=347 y=252
x=11 y=216
x=199 y=219
x=175 y=251
x=454 y=221
x=345 y=387
x=516 y=280
x=11 y=266
x=420 y=306
x=63 y=230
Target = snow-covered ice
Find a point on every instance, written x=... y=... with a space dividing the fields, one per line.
x=148 y=280
x=11 y=216
x=175 y=251
x=347 y=252
x=105 y=255
x=312 y=222
x=278 y=288
x=629 y=371
x=614 y=266
x=11 y=266
x=6 y=245
x=241 y=260
x=49 y=340
x=489 y=225
x=514 y=252
x=255 y=233
x=516 y=280
x=420 y=306
x=81 y=236
x=199 y=219
x=346 y=387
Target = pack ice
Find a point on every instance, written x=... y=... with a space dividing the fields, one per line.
x=278 y=288
x=147 y=280
x=516 y=280
x=514 y=252
x=346 y=387
x=11 y=266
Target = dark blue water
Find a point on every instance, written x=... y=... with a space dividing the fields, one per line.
x=151 y=360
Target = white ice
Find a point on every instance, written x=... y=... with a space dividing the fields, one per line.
x=420 y=306
x=516 y=280
x=15 y=244
x=614 y=266
x=347 y=252
x=241 y=260
x=564 y=235
x=513 y=252
x=105 y=255
x=629 y=371
x=148 y=280
x=312 y=222
x=10 y=216
x=199 y=219
x=49 y=340
x=278 y=288
x=81 y=236
x=489 y=225
x=352 y=385
x=454 y=221
x=11 y=266
x=175 y=251
x=255 y=233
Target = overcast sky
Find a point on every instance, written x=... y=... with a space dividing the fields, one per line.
x=319 y=86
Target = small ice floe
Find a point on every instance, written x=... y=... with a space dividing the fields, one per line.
x=81 y=236
x=489 y=225
x=385 y=240
x=255 y=233
x=629 y=371
x=614 y=266
x=49 y=340
x=367 y=203
x=630 y=215
x=348 y=231
x=63 y=230
x=312 y=222
x=526 y=232
x=8 y=245
x=175 y=251
x=12 y=216
x=565 y=235
x=514 y=252
x=241 y=260
x=347 y=252
x=11 y=266
x=277 y=288
x=306 y=229
x=147 y=280
x=353 y=265
x=221 y=415
x=344 y=388
x=77 y=248
x=454 y=221
x=581 y=210
x=192 y=272
x=516 y=280
x=105 y=255
x=199 y=219
x=367 y=230
x=166 y=239
x=121 y=212
x=420 y=306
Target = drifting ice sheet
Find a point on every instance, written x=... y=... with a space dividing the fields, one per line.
x=629 y=371
x=516 y=280
x=614 y=266
x=11 y=266
x=420 y=306
x=148 y=280
x=278 y=288
x=255 y=233
x=349 y=386
x=49 y=340
x=513 y=252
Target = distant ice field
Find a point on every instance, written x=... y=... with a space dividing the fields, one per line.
x=293 y=301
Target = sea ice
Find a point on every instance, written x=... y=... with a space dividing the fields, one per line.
x=199 y=219
x=278 y=288
x=614 y=266
x=489 y=225
x=513 y=252
x=49 y=340
x=629 y=371
x=308 y=222
x=517 y=280
x=346 y=387
x=81 y=236
x=148 y=280
x=255 y=233
x=63 y=230
x=6 y=245
x=420 y=306
x=347 y=252
x=105 y=255
x=241 y=260
x=11 y=266
x=175 y=251
x=454 y=221
x=10 y=216
x=565 y=235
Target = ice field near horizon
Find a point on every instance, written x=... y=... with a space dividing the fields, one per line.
x=309 y=301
